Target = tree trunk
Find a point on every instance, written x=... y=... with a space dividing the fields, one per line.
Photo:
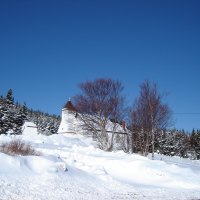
x=153 y=140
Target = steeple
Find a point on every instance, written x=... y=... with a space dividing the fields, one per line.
x=69 y=106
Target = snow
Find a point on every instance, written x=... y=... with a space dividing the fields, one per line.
x=29 y=128
x=70 y=167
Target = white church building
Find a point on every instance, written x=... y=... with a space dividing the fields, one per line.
x=70 y=123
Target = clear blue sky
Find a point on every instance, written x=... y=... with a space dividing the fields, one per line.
x=48 y=47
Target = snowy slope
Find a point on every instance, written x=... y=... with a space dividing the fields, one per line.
x=72 y=168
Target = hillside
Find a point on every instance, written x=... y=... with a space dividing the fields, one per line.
x=13 y=115
x=70 y=167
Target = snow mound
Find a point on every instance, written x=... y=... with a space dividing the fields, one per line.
x=70 y=166
x=31 y=164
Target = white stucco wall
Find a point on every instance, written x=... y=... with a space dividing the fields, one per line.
x=68 y=123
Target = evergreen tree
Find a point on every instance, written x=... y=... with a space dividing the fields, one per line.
x=13 y=115
x=167 y=143
x=195 y=142
x=174 y=143
x=9 y=97
x=24 y=109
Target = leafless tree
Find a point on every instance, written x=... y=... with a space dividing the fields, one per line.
x=99 y=103
x=148 y=116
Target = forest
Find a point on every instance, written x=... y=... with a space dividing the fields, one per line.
x=13 y=115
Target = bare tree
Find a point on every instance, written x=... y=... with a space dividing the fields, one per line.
x=148 y=116
x=99 y=103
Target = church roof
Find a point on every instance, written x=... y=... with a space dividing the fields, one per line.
x=70 y=106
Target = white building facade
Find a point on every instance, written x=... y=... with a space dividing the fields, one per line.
x=68 y=119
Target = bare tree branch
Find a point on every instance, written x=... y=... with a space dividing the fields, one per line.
x=149 y=115
x=100 y=101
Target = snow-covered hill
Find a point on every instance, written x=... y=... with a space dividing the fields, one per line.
x=70 y=167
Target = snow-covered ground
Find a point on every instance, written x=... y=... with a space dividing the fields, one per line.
x=70 y=167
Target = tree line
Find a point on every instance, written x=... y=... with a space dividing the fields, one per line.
x=144 y=127
x=13 y=115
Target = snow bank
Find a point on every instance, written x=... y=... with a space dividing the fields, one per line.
x=30 y=164
x=73 y=167
x=29 y=128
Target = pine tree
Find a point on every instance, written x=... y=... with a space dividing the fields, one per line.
x=195 y=142
x=3 y=116
x=174 y=143
x=9 y=97
x=24 y=109
x=167 y=143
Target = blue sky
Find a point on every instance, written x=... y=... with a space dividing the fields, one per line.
x=48 y=47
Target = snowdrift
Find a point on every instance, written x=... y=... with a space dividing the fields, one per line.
x=70 y=166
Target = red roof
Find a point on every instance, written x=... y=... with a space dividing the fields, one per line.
x=69 y=106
